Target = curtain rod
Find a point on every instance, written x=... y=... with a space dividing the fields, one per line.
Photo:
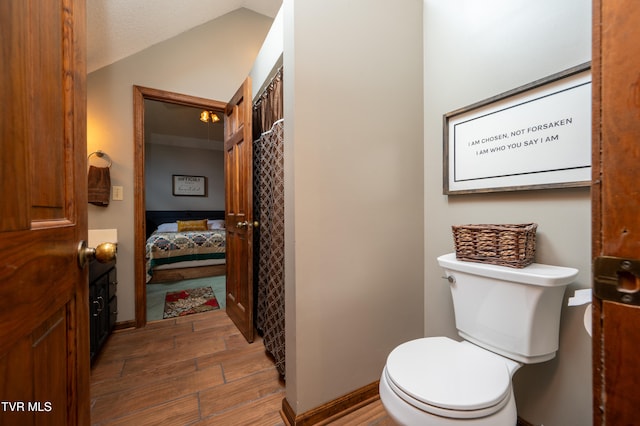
x=268 y=87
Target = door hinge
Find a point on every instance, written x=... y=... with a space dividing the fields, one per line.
x=617 y=279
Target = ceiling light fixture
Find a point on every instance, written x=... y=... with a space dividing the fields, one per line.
x=206 y=116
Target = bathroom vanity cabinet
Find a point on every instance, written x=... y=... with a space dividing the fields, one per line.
x=103 y=303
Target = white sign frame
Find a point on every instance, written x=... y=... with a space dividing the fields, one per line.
x=189 y=186
x=537 y=136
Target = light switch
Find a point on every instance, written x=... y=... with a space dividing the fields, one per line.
x=118 y=193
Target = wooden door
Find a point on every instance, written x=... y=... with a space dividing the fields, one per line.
x=616 y=207
x=238 y=174
x=44 y=320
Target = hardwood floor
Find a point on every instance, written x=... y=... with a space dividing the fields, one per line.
x=196 y=370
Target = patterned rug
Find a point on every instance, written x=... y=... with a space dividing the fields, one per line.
x=190 y=301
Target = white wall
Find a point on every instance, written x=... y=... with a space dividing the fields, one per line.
x=353 y=191
x=269 y=57
x=475 y=50
x=202 y=62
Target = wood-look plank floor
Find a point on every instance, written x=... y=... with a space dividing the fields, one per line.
x=195 y=370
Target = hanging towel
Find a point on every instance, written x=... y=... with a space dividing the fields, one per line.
x=99 y=185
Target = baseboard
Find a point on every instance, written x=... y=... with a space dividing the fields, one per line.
x=340 y=407
x=332 y=410
x=124 y=324
x=523 y=422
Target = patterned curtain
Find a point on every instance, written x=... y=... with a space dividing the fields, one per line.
x=268 y=187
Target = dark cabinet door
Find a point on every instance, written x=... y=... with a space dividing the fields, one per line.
x=103 y=303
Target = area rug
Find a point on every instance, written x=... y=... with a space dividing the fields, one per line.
x=190 y=301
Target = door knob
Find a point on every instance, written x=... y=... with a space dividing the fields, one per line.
x=245 y=224
x=103 y=253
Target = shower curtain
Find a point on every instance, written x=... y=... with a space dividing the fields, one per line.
x=268 y=196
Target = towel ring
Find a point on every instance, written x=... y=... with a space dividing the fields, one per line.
x=101 y=154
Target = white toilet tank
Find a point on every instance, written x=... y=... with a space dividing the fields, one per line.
x=512 y=312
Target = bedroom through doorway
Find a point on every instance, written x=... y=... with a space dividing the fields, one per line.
x=179 y=173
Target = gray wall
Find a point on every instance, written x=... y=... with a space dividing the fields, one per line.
x=354 y=191
x=163 y=161
x=366 y=217
x=473 y=51
x=198 y=62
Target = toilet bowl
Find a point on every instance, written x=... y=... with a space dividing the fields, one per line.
x=439 y=381
x=507 y=317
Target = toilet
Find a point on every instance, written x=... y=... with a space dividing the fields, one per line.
x=506 y=317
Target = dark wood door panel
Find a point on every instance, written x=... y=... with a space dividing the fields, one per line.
x=239 y=209
x=616 y=200
x=44 y=338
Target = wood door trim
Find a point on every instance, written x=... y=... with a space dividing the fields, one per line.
x=141 y=93
x=596 y=207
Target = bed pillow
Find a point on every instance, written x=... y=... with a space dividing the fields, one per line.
x=216 y=223
x=192 y=225
x=168 y=227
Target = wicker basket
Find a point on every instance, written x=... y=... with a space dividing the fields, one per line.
x=505 y=245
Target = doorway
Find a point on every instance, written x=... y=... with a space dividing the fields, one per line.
x=143 y=96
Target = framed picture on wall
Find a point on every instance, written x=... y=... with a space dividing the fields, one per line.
x=190 y=186
x=537 y=136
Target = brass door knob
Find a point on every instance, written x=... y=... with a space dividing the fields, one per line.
x=245 y=224
x=103 y=253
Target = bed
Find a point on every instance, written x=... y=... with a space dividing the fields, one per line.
x=184 y=244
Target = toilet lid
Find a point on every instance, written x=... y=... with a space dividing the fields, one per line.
x=440 y=372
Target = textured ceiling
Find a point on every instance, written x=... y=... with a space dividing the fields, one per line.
x=119 y=28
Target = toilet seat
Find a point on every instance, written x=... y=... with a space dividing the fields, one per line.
x=449 y=378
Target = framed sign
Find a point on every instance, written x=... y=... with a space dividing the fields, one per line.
x=195 y=186
x=537 y=136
